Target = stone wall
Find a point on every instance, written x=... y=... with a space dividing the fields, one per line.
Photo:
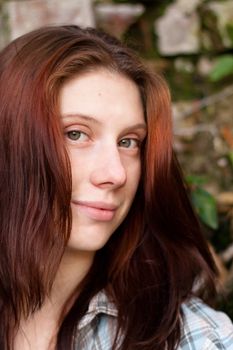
x=19 y=17
x=188 y=27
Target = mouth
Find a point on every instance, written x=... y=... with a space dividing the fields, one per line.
x=99 y=211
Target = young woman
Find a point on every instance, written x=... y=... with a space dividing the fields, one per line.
x=100 y=248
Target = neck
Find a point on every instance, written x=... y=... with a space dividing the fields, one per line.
x=41 y=328
x=72 y=270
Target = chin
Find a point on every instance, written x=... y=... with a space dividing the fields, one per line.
x=88 y=243
x=90 y=236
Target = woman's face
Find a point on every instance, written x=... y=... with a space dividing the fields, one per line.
x=104 y=125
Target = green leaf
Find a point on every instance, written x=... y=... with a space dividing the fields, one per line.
x=230 y=156
x=229 y=28
x=222 y=68
x=205 y=205
x=196 y=180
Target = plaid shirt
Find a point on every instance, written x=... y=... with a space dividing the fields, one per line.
x=202 y=327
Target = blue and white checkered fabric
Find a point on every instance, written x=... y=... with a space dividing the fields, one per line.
x=202 y=328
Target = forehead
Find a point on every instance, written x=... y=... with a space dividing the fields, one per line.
x=102 y=94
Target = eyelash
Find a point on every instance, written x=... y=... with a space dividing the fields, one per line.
x=123 y=143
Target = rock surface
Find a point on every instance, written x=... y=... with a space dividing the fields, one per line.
x=24 y=16
x=223 y=13
x=188 y=26
x=178 y=30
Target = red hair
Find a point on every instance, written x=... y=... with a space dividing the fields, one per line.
x=142 y=266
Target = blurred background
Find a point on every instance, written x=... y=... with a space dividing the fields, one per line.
x=189 y=42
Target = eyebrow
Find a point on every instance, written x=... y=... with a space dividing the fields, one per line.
x=95 y=121
x=81 y=116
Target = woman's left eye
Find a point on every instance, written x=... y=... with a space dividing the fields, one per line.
x=129 y=143
x=77 y=135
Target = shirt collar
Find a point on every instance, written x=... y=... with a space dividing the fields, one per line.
x=99 y=304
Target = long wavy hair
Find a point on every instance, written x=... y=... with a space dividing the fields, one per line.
x=158 y=254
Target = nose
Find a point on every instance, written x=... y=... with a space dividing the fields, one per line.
x=108 y=169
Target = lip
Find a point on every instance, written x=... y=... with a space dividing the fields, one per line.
x=99 y=211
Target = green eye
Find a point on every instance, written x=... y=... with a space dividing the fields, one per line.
x=74 y=135
x=129 y=143
x=125 y=143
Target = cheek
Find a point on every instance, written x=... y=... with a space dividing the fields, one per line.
x=78 y=165
x=134 y=174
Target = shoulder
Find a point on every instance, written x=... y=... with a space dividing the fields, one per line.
x=203 y=328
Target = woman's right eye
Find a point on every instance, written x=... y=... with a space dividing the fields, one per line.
x=77 y=135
